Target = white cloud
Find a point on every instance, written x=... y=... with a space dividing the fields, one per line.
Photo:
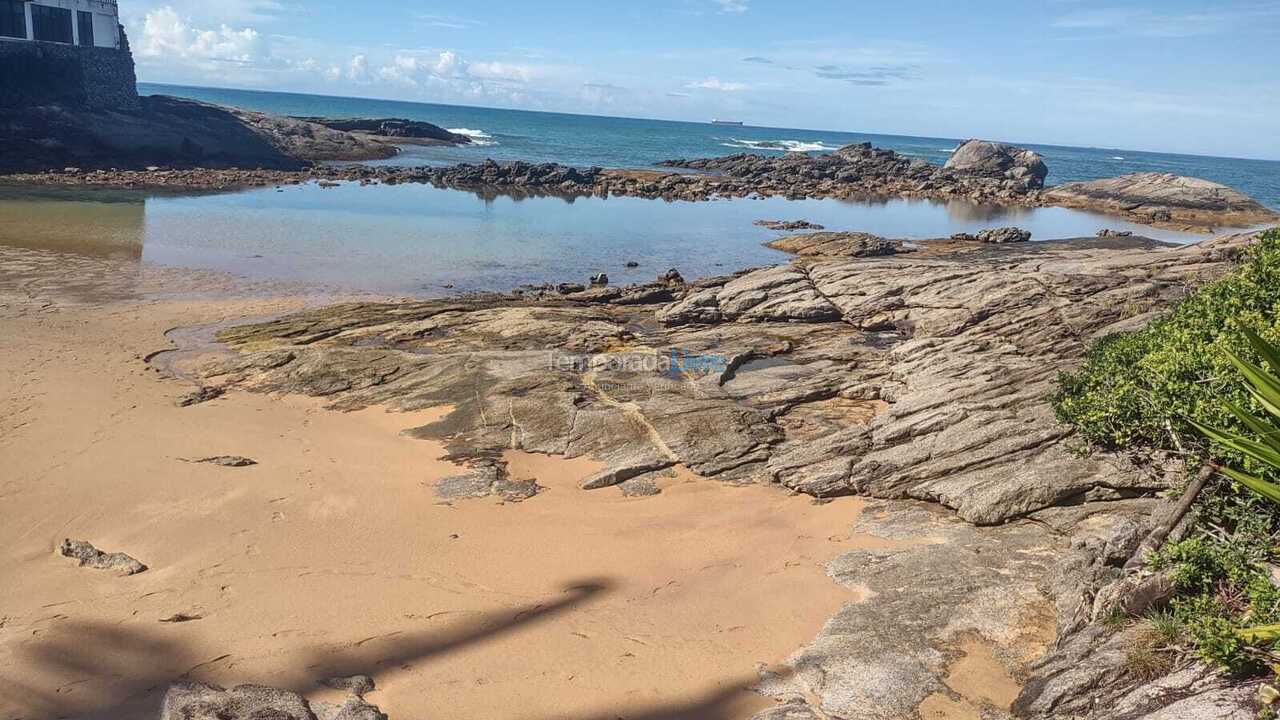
x=358 y=69
x=1152 y=23
x=734 y=7
x=715 y=83
x=166 y=34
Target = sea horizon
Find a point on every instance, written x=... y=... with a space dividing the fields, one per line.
x=143 y=86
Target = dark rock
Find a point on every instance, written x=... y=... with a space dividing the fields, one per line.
x=633 y=264
x=1003 y=235
x=1107 y=233
x=181 y=618
x=203 y=395
x=600 y=279
x=486 y=480
x=1020 y=166
x=397 y=128
x=671 y=276
x=231 y=461
x=89 y=556
x=788 y=225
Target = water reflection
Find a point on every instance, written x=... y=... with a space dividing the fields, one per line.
x=417 y=239
x=112 y=225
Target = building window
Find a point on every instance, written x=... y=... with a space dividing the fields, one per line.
x=51 y=24
x=13 y=19
x=85 y=21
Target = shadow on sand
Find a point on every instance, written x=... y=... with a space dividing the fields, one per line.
x=82 y=655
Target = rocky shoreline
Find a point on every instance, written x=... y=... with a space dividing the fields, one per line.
x=981 y=172
x=920 y=379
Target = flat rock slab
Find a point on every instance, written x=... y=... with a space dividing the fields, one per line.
x=772 y=369
x=937 y=588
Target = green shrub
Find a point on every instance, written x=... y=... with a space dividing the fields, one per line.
x=1140 y=388
x=1222 y=590
x=1145 y=389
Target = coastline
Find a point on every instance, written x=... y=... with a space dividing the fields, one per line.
x=1197 y=211
x=340 y=480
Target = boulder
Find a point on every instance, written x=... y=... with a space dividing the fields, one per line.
x=1164 y=199
x=998 y=160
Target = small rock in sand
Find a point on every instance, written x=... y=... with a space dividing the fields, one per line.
x=181 y=618
x=203 y=395
x=92 y=557
x=486 y=481
x=640 y=487
x=197 y=701
x=359 y=685
x=232 y=461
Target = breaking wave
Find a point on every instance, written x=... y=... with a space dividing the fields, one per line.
x=478 y=137
x=779 y=145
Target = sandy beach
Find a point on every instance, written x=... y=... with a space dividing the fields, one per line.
x=332 y=555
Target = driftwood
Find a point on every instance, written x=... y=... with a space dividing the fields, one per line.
x=1161 y=531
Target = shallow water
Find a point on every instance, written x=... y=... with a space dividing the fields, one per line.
x=416 y=239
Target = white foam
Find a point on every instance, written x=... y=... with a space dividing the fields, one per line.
x=1116 y=157
x=779 y=145
x=478 y=137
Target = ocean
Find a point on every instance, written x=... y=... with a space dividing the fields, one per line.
x=586 y=140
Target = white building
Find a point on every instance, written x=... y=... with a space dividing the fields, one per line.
x=87 y=23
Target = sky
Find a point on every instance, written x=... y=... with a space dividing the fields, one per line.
x=1172 y=76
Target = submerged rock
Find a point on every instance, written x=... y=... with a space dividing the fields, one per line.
x=89 y=556
x=788 y=225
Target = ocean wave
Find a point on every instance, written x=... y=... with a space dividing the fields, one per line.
x=780 y=145
x=478 y=137
x=1116 y=157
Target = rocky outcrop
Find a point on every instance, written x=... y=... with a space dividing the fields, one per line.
x=416 y=131
x=839 y=244
x=963 y=349
x=1002 y=162
x=995 y=235
x=905 y=377
x=171 y=132
x=852 y=171
x=1164 y=199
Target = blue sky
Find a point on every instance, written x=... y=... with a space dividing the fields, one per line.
x=1176 y=76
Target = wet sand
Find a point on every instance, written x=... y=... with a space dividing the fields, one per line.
x=332 y=556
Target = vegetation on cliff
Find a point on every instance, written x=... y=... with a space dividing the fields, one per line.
x=1151 y=389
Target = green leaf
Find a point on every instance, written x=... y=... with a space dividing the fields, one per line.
x=1268 y=490
x=1241 y=444
x=1269 y=433
x=1262 y=385
x=1270 y=353
x=1261 y=633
